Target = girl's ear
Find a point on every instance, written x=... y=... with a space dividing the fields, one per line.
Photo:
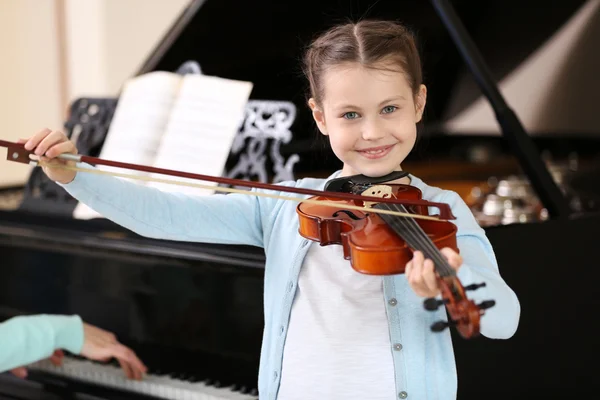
x=421 y=100
x=318 y=116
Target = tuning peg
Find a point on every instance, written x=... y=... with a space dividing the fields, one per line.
x=475 y=286
x=432 y=304
x=484 y=305
x=441 y=325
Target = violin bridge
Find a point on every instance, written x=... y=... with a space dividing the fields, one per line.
x=383 y=191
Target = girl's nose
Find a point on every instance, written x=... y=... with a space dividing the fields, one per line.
x=372 y=131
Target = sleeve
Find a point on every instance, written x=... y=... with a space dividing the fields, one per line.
x=480 y=265
x=150 y=212
x=27 y=339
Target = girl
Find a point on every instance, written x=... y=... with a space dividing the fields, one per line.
x=27 y=339
x=330 y=333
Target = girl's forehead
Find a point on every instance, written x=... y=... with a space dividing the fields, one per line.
x=356 y=80
x=347 y=73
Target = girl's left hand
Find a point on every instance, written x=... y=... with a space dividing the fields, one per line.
x=421 y=274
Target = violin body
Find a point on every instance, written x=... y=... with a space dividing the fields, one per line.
x=369 y=243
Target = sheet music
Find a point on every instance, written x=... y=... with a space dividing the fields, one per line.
x=138 y=124
x=204 y=121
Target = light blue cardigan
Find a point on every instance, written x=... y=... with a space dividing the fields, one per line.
x=26 y=339
x=423 y=361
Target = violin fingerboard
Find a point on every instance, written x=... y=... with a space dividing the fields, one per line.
x=414 y=236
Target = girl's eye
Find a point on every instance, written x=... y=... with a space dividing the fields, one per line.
x=389 y=109
x=351 y=115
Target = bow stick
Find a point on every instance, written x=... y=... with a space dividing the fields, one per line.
x=16 y=152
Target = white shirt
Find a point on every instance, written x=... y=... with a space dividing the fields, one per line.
x=338 y=344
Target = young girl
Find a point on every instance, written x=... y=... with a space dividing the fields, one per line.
x=330 y=333
x=27 y=339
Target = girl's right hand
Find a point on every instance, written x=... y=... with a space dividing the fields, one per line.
x=48 y=145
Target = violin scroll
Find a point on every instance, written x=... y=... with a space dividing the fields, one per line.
x=464 y=314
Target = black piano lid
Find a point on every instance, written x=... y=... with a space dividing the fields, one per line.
x=262 y=40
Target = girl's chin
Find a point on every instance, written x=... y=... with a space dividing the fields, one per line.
x=370 y=171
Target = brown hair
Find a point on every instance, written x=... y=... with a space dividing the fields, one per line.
x=367 y=42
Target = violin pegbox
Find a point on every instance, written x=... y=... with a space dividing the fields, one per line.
x=464 y=314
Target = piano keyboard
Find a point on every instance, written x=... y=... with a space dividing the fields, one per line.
x=152 y=385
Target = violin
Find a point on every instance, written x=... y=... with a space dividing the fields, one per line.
x=373 y=244
x=369 y=218
x=382 y=244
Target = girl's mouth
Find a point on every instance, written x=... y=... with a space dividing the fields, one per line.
x=376 y=152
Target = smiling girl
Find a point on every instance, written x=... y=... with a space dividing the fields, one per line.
x=330 y=332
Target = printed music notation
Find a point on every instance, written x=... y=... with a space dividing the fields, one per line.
x=181 y=122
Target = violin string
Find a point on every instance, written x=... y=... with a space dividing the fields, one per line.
x=421 y=237
x=434 y=250
x=419 y=242
x=327 y=203
x=428 y=246
x=417 y=238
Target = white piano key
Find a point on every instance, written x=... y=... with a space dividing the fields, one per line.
x=158 y=386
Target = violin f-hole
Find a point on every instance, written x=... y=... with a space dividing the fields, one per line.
x=350 y=214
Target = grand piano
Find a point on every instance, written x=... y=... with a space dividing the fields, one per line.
x=193 y=312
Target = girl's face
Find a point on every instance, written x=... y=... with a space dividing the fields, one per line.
x=370 y=116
